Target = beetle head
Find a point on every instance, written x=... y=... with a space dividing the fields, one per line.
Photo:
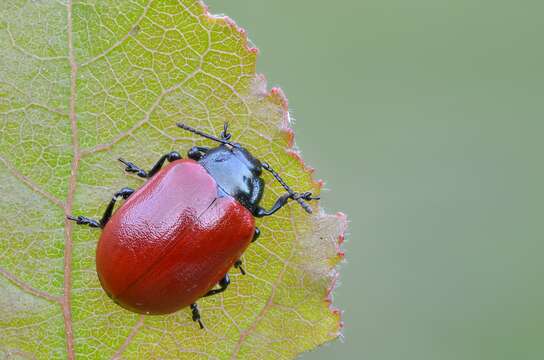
x=238 y=173
x=252 y=163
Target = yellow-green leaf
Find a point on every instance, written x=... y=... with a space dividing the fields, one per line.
x=83 y=82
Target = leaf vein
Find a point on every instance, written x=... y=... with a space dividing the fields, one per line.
x=129 y=338
x=120 y=41
x=28 y=288
x=31 y=184
x=139 y=124
x=29 y=54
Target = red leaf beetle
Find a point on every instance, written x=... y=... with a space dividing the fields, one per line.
x=177 y=236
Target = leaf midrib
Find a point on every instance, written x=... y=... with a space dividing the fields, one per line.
x=68 y=226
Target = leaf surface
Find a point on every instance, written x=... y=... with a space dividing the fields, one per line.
x=85 y=82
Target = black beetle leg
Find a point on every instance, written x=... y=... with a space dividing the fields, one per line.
x=82 y=220
x=196 y=315
x=123 y=193
x=281 y=201
x=256 y=234
x=225 y=133
x=131 y=168
x=196 y=152
x=238 y=265
x=223 y=284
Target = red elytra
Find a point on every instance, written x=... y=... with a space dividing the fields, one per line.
x=171 y=241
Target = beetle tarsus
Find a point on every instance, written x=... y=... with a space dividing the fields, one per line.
x=131 y=168
x=196 y=315
x=82 y=220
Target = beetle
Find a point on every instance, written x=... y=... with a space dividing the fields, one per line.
x=176 y=237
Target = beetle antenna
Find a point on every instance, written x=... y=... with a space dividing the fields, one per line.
x=295 y=196
x=224 y=134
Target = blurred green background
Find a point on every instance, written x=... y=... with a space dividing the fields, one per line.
x=425 y=118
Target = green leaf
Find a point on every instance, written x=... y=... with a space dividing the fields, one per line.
x=85 y=82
